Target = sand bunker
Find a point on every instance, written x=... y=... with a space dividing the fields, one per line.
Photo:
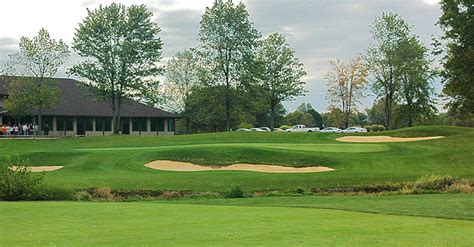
x=41 y=168
x=168 y=165
x=385 y=139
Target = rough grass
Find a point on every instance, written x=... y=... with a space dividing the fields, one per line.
x=87 y=224
x=117 y=161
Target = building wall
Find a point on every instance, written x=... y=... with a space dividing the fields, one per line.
x=55 y=132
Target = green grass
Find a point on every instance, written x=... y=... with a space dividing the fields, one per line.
x=451 y=206
x=118 y=161
x=142 y=224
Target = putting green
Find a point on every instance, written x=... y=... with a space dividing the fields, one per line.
x=312 y=147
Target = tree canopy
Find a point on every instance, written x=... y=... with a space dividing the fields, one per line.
x=122 y=49
x=457 y=23
x=281 y=72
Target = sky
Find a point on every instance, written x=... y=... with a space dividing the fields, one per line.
x=318 y=30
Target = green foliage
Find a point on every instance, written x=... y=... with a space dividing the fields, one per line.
x=245 y=126
x=17 y=182
x=122 y=49
x=39 y=58
x=416 y=92
x=280 y=72
x=388 y=32
x=227 y=44
x=456 y=21
x=234 y=192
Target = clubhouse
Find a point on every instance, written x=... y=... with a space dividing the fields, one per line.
x=78 y=113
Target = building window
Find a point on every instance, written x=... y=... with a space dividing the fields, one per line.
x=103 y=124
x=85 y=123
x=45 y=120
x=65 y=123
x=171 y=125
x=89 y=124
x=157 y=124
x=139 y=124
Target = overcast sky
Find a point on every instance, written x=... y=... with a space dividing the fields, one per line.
x=319 y=30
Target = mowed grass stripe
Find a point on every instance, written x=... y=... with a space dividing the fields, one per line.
x=332 y=148
x=449 y=206
x=69 y=223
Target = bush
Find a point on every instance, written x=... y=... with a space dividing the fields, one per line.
x=83 y=196
x=234 y=192
x=244 y=126
x=103 y=194
x=434 y=183
x=300 y=190
x=285 y=127
x=380 y=128
x=48 y=193
x=17 y=182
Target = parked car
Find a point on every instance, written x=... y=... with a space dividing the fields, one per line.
x=257 y=130
x=265 y=129
x=331 y=130
x=355 y=130
x=243 y=130
x=302 y=128
x=278 y=130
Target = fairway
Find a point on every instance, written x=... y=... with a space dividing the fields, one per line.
x=68 y=223
x=332 y=148
x=119 y=161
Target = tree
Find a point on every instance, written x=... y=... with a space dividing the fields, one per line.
x=227 y=42
x=37 y=61
x=122 y=51
x=346 y=85
x=416 y=92
x=457 y=22
x=334 y=117
x=388 y=31
x=308 y=108
x=281 y=72
x=182 y=75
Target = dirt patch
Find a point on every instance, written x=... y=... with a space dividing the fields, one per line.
x=362 y=139
x=41 y=168
x=168 y=165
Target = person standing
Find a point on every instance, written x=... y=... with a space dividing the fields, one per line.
x=46 y=129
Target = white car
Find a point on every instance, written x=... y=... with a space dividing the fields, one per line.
x=302 y=128
x=265 y=129
x=331 y=130
x=355 y=130
x=243 y=130
x=257 y=130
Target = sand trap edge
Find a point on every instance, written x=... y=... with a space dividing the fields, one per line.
x=384 y=139
x=177 y=166
x=41 y=168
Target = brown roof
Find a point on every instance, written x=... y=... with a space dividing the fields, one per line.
x=75 y=100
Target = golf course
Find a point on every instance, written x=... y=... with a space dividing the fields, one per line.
x=271 y=213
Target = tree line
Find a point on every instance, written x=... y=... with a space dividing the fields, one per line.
x=237 y=77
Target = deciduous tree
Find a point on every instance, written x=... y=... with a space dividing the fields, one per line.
x=227 y=43
x=457 y=23
x=281 y=72
x=182 y=75
x=346 y=85
x=388 y=31
x=37 y=61
x=414 y=75
x=122 y=49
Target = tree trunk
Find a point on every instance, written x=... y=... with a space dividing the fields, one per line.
x=410 y=115
x=272 y=119
x=40 y=120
